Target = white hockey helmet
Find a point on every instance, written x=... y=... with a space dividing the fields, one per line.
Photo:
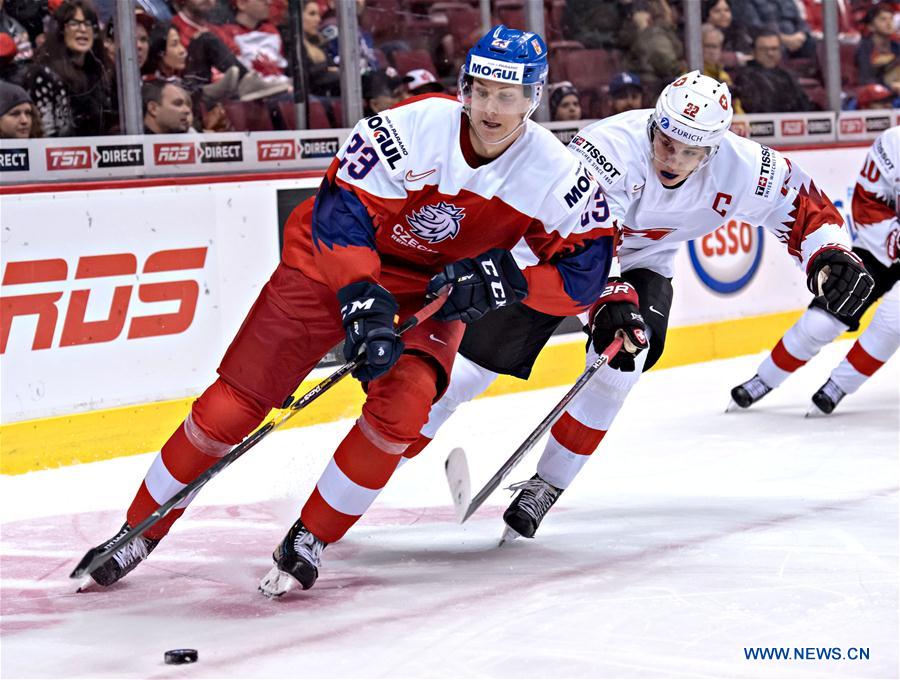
x=694 y=109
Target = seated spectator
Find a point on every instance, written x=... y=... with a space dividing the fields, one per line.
x=877 y=51
x=783 y=17
x=143 y=26
x=764 y=86
x=564 y=102
x=625 y=93
x=655 y=50
x=872 y=96
x=322 y=74
x=595 y=24
x=328 y=32
x=735 y=39
x=167 y=108
x=9 y=25
x=380 y=90
x=421 y=81
x=12 y=70
x=69 y=84
x=17 y=116
x=256 y=43
x=208 y=52
x=712 y=39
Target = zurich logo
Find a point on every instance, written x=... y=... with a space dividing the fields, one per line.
x=436 y=223
x=727 y=259
x=664 y=123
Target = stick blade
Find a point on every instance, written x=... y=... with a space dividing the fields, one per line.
x=83 y=566
x=456 y=468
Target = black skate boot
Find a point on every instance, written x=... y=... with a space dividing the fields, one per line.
x=297 y=560
x=748 y=393
x=123 y=560
x=828 y=396
x=535 y=498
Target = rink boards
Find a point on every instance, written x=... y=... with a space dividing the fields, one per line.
x=120 y=297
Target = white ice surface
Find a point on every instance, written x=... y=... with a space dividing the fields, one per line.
x=692 y=535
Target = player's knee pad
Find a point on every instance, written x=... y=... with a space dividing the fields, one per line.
x=397 y=404
x=225 y=414
x=812 y=331
x=467 y=381
x=603 y=396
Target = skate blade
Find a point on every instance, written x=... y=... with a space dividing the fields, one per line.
x=84 y=584
x=509 y=535
x=732 y=406
x=815 y=412
x=276 y=583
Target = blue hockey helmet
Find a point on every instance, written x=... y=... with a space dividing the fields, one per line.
x=508 y=56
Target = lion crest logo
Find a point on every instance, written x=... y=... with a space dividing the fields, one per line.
x=436 y=223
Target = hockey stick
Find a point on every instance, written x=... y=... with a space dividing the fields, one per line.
x=96 y=556
x=457 y=489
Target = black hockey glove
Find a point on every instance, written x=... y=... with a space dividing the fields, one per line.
x=617 y=310
x=368 y=312
x=480 y=284
x=840 y=277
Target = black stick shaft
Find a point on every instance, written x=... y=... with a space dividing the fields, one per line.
x=94 y=558
x=541 y=429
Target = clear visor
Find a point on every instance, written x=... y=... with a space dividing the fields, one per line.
x=497 y=101
x=677 y=157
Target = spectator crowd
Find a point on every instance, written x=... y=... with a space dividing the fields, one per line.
x=220 y=65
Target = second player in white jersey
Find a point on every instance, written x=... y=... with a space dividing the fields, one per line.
x=877 y=241
x=676 y=173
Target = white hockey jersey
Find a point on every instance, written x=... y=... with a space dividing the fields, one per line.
x=875 y=199
x=744 y=180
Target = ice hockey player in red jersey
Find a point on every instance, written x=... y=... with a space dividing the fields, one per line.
x=468 y=192
x=876 y=245
x=676 y=173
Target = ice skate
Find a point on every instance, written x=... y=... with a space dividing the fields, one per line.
x=748 y=393
x=509 y=535
x=826 y=399
x=297 y=560
x=123 y=560
x=525 y=513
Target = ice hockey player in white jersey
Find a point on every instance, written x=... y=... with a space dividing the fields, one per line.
x=676 y=173
x=876 y=244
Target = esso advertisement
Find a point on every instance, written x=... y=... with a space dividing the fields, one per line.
x=119 y=296
x=727 y=259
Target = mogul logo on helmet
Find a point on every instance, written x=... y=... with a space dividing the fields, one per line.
x=436 y=223
x=492 y=69
x=385 y=135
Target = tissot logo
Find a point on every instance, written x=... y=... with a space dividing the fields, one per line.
x=174 y=153
x=275 y=150
x=14 y=160
x=119 y=156
x=69 y=158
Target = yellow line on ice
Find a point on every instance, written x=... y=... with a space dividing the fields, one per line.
x=100 y=435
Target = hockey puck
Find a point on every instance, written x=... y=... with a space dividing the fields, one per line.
x=180 y=656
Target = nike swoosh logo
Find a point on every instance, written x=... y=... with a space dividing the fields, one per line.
x=656 y=311
x=431 y=337
x=415 y=177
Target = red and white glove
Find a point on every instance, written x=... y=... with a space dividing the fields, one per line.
x=616 y=313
